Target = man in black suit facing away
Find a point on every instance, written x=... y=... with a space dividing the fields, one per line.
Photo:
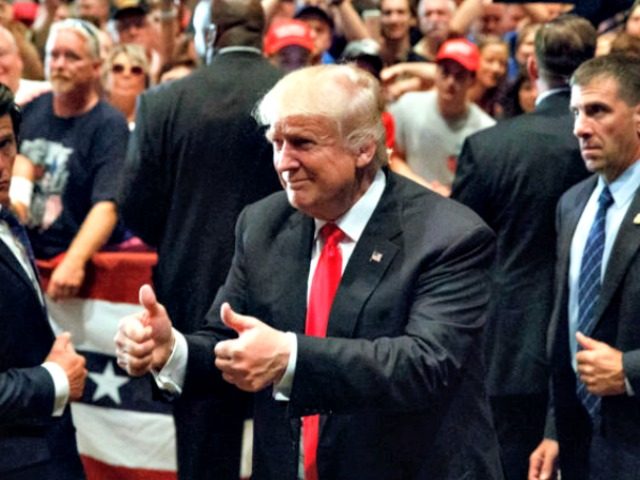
x=512 y=175
x=195 y=159
x=594 y=336
x=393 y=364
x=39 y=374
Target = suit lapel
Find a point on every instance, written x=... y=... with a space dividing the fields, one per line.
x=626 y=245
x=569 y=225
x=558 y=340
x=294 y=245
x=10 y=260
x=371 y=258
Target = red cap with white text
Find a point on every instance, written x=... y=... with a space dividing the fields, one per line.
x=462 y=51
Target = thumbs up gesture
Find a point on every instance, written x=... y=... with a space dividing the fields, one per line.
x=600 y=367
x=74 y=365
x=257 y=358
x=144 y=340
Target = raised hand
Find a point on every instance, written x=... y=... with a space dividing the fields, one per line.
x=257 y=358
x=600 y=367
x=67 y=279
x=144 y=340
x=74 y=365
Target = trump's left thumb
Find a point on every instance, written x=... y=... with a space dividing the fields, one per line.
x=234 y=320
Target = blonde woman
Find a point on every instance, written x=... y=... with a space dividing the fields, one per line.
x=127 y=77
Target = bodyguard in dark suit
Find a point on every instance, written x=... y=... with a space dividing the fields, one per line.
x=399 y=378
x=594 y=336
x=196 y=158
x=38 y=373
x=512 y=175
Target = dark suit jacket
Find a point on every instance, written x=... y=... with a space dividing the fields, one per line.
x=512 y=175
x=401 y=381
x=617 y=324
x=29 y=436
x=195 y=159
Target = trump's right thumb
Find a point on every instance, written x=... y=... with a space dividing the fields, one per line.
x=148 y=299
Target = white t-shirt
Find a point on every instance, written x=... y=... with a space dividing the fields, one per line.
x=431 y=144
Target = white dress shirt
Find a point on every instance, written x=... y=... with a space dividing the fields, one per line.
x=352 y=223
x=622 y=190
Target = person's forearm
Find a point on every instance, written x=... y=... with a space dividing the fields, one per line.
x=270 y=7
x=33 y=68
x=537 y=13
x=41 y=27
x=168 y=30
x=352 y=25
x=400 y=166
x=467 y=12
x=94 y=231
x=21 y=191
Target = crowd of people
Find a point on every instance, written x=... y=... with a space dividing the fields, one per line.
x=291 y=163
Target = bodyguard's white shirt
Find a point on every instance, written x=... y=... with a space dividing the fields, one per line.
x=622 y=190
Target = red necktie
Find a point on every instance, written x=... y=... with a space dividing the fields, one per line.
x=323 y=288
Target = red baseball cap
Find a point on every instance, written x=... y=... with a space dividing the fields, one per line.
x=25 y=12
x=462 y=51
x=287 y=32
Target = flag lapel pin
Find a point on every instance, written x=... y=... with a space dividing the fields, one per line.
x=376 y=256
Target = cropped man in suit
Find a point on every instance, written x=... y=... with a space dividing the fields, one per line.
x=196 y=158
x=399 y=378
x=39 y=374
x=594 y=336
x=512 y=175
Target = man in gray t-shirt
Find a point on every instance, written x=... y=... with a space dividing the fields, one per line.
x=431 y=126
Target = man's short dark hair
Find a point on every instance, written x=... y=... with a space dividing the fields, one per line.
x=561 y=45
x=238 y=22
x=8 y=106
x=624 y=69
x=311 y=12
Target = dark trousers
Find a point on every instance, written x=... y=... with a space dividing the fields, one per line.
x=610 y=459
x=519 y=422
x=209 y=438
x=58 y=468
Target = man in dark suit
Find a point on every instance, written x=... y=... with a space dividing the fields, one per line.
x=39 y=374
x=594 y=336
x=512 y=175
x=196 y=158
x=399 y=378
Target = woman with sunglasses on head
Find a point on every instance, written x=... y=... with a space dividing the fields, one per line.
x=127 y=77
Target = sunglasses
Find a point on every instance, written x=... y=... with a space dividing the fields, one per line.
x=135 y=70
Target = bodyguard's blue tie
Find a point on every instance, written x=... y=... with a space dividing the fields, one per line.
x=589 y=285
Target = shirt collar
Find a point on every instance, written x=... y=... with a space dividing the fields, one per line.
x=239 y=48
x=354 y=221
x=625 y=186
x=548 y=93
